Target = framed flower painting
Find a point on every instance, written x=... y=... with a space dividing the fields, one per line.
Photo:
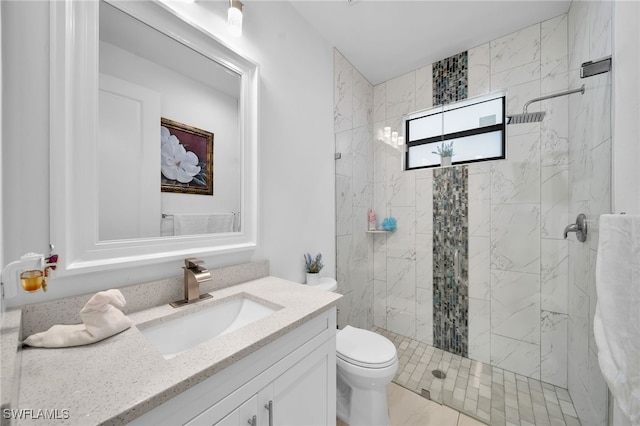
x=186 y=163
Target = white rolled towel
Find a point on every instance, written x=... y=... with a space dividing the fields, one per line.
x=101 y=317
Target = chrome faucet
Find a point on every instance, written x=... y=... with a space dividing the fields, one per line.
x=194 y=275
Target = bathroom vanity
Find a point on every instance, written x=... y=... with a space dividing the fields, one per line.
x=276 y=370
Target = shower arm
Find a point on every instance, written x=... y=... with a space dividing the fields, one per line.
x=555 y=95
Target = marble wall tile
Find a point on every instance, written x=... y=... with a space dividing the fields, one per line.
x=578 y=344
x=511 y=225
x=343 y=249
x=344 y=166
x=480 y=330
x=344 y=205
x=424 y=88
x=424 y=261
x=555 y=203
x=479 y=268
x=479 y=204
x=554 y=275
x=424 y=315
x=343 y=93
x=379 y=157
x=518 y=179
x=400 y=95
x=517 y=75
x=601 y=109
x=401 y=186
x=380 y=303
x=515 y=355
x=515 y=49
x=379 y=257
x=379 y=102
x=554 y=83
x=600 y=187
x=361 y=243
x=401 y=287
x=579 y=264
x=578 y=34
x=554 y=131
x=519 y=95
x=344 y=309
x=600 y=29
x=479 y=70
x=360 y=312
x=362 y=143
x=402 y=242
x=362 y=185
x=515 y=305
x=400 y=322
x=553 y=46
x=424 y=206
x=553 y=348
x=362 y=100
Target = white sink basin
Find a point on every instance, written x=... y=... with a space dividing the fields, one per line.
x=174 y=336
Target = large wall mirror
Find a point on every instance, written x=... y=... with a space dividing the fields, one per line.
x=153 y=137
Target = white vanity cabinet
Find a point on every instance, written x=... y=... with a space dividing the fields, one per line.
x=297 y=397
x=296 y=373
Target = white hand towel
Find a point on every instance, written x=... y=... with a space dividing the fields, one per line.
x=101 y=317
x=616 y=324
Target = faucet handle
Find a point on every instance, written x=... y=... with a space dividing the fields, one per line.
x=193 y=263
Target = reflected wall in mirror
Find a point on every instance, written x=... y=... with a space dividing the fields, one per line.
x=146 y=76
x=117 y=68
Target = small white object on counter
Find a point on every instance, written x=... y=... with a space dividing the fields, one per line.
x=101 y=317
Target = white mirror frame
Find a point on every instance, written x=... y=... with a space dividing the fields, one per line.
x=74 y=119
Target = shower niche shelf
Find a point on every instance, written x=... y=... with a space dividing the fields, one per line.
x=377 y=231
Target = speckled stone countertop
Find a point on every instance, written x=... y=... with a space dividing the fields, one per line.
x=122 y=377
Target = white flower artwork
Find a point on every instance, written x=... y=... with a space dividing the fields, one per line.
x=176 y=162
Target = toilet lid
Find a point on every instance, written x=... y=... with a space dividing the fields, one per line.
x=325 y=283
x=364 y=348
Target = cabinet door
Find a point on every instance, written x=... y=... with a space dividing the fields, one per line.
x=303 y=394
x=243 y=415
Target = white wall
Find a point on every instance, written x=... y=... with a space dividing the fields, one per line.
x=296 y=166
x=626 y=108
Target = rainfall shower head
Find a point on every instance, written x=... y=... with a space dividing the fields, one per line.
x=536 y=117
x=526 y=117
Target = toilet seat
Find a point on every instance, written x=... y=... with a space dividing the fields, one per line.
x=365 y=348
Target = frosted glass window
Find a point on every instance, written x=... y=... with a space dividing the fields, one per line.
x=476 y=127
x=425 y=127
x=473 y=116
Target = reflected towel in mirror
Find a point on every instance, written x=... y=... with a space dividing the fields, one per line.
x=191 y=224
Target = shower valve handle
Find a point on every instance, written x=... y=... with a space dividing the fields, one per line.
x=580 y=228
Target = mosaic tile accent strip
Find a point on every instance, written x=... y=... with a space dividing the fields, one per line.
x=450 y=79
x=450 y=234
x=489 y=394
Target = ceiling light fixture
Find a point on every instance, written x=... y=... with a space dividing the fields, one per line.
x=234 y=17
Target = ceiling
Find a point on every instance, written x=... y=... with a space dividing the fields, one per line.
x=387 y=38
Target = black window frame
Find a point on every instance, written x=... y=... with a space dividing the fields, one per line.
x=457 y=135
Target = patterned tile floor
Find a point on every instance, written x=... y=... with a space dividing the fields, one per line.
x=490 y=394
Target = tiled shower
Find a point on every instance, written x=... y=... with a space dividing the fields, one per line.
x=527 y=302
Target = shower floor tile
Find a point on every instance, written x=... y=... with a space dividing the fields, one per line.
x=489 y=394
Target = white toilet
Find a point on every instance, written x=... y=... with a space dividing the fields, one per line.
x=366 y=363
